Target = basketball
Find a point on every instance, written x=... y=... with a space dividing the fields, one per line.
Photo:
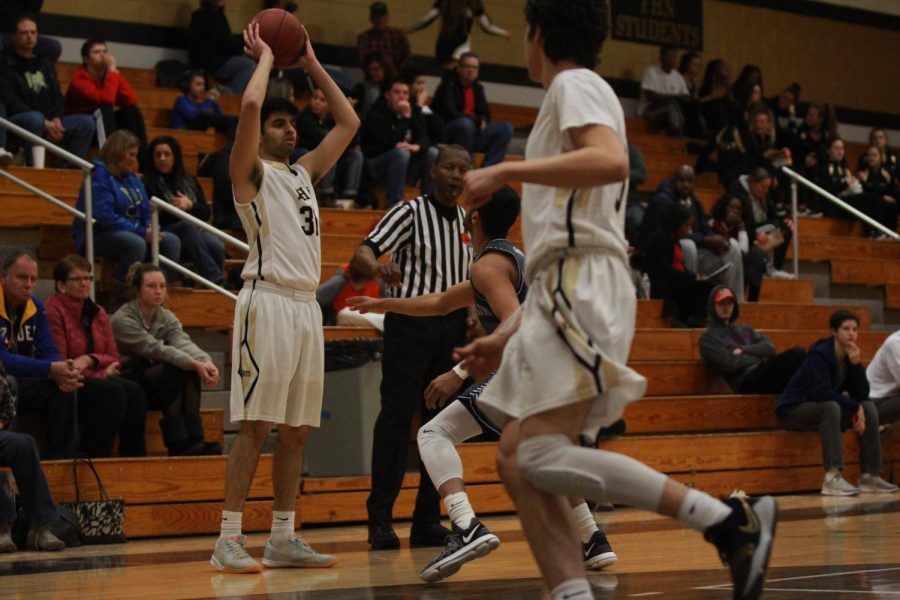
x=282 y=32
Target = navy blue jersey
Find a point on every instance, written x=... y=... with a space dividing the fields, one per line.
x=488 y=319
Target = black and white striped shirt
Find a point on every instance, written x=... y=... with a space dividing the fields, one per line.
x=428 y=241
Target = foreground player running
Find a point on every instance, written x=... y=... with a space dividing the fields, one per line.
x=564 y=353
x=497 y=288
x=277 y=344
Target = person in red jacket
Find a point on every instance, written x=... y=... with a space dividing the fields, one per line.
x=83 y=335
x=97 y=84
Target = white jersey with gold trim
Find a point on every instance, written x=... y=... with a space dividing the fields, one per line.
x=282 y=226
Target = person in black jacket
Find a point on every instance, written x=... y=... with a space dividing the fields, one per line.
x=461 y=103
x=30 y=90
x=880 y=184
x=10 y=12
x=214 y=49
x=166 y=178
x=313 y=124
x=830 y=393
x=395 y=143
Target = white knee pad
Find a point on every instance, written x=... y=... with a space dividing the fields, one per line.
x=437 y=440
x=550 y=463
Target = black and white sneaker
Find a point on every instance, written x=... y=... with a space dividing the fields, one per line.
x=598 y=553
x=744 y=540
x=460 y=547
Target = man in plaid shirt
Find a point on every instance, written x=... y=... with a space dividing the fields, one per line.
x=390 y=42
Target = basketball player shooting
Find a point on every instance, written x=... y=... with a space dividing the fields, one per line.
x=277 y=350
x=563 y=371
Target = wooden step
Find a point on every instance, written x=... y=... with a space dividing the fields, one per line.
x=871 y=272
x=800 y=291
x=892 y=293
x=764 y=315
x=820 y=248
x=213 y=419
x=192 y=142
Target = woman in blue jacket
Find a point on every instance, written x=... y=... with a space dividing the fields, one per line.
x=830 y=393
x=121 y=208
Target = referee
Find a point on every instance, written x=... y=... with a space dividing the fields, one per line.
x=430 y=252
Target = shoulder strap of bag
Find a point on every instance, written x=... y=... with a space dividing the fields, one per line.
x=86 y=460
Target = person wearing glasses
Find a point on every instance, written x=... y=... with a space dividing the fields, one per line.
x=111 y=405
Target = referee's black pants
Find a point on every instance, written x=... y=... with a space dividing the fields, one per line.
x=416 y=350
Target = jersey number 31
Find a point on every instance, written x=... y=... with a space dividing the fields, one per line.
x=310 y=220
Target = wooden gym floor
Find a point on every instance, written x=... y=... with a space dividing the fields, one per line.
x=825 y=548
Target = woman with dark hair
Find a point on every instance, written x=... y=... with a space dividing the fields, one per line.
x=717 y=105
x=683 y=293
x=166 y=178
x=107 y=404
x=750 y=77
x=198 y=108
x=728 y=221
x=878 y=137
x=376 y=70
x=160 y=356
x=690 y=67
x=457 y=18
x=121 y=210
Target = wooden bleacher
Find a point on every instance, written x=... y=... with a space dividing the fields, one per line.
x=688 y=426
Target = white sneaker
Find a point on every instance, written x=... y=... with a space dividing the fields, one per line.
x=873 y=484
x=295 y=552
x=6 y=157
x=835 y=485
x=779 y=274
x=230 y=556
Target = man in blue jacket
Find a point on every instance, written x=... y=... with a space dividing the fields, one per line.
x=46 y=383
x=830 y=393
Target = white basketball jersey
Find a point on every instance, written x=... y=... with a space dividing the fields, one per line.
x=282 y=226
x=556 y=217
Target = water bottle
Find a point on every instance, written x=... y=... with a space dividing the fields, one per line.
x=645 y=287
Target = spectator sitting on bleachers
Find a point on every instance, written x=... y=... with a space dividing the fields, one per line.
x=46 y=383
x=784 y=109
x=765 y=219
x=704 y=250
x=834 y=176
x=19 y=452
x=884 y=381
x=690 y=65
x=819 y=127
x=434 y=124
x=718 y=107
x=461 y=102
x=199 y=108
x=30 y=90
x=746 y=359
x=346 y=283
x=383 y=39
x=749 y=144
x=880 y=185
x=728 y=221
x=166 y=178
x=395 y=143
x=82 y=334
x=216 y=50
x=745 y=86
x=683 y=292
x=663 y=91
x=313 y=123
x=10 y=12
x=830 y=393
x=97 y=84
x=878 y=137
x=160 y=356
x=365 y=94
x=121 y=210
x=635 y=205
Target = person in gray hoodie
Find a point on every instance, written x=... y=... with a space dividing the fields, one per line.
x=746 y=359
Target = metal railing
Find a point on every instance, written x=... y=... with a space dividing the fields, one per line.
x=157 y=204
x=86 y=168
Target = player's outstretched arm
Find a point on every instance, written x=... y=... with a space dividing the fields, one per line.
x=245 y=166
x=318 y=162
x=599 y=159
x=429 y=305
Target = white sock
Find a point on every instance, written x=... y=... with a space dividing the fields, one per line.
x=573 y=589
x=700 y=511
x=231 y=523
x=584 y=520
x=282 y=525
x=459 y=510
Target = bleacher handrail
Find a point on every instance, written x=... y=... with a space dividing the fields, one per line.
x=157 y=204
x=797 y=178
x=86 y=168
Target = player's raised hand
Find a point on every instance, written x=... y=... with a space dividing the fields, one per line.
x=254 y=46
x=308 y=56
x=479 y=184
x=365 y=304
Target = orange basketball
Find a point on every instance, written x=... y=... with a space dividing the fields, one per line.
x=282 y=32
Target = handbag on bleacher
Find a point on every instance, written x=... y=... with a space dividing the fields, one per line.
x=102 y=521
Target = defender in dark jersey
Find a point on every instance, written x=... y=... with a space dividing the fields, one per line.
x=497 y=287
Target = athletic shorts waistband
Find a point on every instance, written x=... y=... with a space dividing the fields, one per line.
x=281 y=290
